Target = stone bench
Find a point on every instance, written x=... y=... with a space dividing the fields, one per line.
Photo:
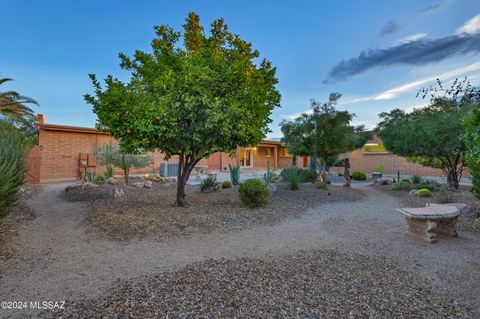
x=426 y=222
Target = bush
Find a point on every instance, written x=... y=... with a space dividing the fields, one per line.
x=401 y=186
x=293 y=176
x=445 y=196
x=13 y=152
x=310 y=175
x=430 y=185
x=405 y=180
x=424 y=193
x=209 y=184
x=416 y=179
x=254 y=193
x=359 y=176
x=378 y=167
x=227 y=184
x=98 y=179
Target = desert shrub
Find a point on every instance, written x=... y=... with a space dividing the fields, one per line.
x=310 y=175
x=359 y=176
x=405 y=180
x=445 y=196
x=416 y=179
x=209 y=184
x=378 y=167
x=401 y=186
x=293 y=176
x=227 y=184
x=254 y=193
x=430 y=185
x=424 y=193
x=13 y=151
x=99 y=179
x=321 y=185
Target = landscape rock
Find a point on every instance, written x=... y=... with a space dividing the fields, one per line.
x=137 y=184
x=412 y=193
x=89 y=185
x=74 y=186
x=111 y=181
x=116 y=192
x=147 y=184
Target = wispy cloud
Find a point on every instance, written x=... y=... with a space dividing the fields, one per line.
x=389 y=28
x=417 y=52
x=432 y=7
x=472 y=26
x=410 y=38
x=407 y=87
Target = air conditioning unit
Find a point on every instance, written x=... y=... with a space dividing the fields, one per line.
x=168 y=169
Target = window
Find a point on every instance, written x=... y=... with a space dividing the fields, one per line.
x=374 y=148
x=285 y=153
x=246 y=157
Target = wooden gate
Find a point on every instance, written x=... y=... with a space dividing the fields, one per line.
x=33 y=166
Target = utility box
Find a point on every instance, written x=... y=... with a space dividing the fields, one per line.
x=168 y=169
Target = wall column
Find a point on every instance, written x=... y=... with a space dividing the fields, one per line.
x=275 y=156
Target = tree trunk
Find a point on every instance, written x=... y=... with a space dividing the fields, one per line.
x=346 y=173
x=294 y=160
x=452 y=178
x=185 y=166
x=126 y=172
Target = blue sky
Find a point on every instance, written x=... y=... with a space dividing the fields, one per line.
x=49 y=47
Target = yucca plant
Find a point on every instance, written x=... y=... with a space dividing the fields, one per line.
x=13 y=152
x=294 y=176
x=234 y=173
x=209 y=184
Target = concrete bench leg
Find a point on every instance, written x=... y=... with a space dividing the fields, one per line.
x=423 y=229
x=447 y=227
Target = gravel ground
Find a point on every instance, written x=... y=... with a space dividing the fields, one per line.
x=309 y=284
x=145 y=212
x=60 y=259
x=10 y=225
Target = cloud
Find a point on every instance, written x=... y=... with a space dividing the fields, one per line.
x=389 y=28
x=418 y=52
x=432 y=7
x=394 y=92
x=472 y=26
x=410 y=38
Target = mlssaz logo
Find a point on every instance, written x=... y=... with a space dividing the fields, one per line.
x=50 y=305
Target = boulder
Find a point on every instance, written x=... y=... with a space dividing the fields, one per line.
x=137 y=184
x=111 y=181
x=147 y=184
x=116 y=192
x=87 y=185
x=412 y=193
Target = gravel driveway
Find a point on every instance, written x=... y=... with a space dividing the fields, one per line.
x=60 y=260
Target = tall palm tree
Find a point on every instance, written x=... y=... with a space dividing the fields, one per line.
x=12 y=104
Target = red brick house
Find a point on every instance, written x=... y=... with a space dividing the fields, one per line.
x=65 y=152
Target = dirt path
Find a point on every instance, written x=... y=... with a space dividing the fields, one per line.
x=62 y=261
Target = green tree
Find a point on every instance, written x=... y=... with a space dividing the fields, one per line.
x=431 y=136
x=325 y=133
x=473 y=143
x=210 y=94
x=12 y=104
x=112 y=155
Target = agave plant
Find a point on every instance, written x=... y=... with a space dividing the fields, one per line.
x=416 y=179
x=234 y=173
x=294 y=176
x=209 y=184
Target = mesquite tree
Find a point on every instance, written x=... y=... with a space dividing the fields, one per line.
x=325 y=133
x=189 y=100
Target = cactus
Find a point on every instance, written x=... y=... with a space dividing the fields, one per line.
x=234 y=173
x=268 y=178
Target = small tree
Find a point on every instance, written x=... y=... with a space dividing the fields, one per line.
x=435 y=135
x=209 y=95
x=325 y=133
x=112 y=155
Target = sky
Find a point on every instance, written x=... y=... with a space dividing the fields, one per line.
x=378 y=54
